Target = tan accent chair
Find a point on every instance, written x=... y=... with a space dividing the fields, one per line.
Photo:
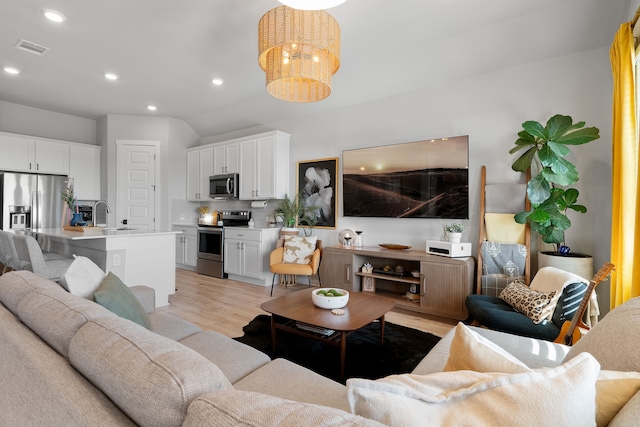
x=288 y=272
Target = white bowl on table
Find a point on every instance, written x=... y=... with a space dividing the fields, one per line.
x=329 y=303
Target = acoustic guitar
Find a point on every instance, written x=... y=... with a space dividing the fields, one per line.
x=570 y=331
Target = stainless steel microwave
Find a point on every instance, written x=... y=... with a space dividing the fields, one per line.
x=224 y=186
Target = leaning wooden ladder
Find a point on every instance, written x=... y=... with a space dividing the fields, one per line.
x=482 y=238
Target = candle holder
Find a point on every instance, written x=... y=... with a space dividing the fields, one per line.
x=347 y=241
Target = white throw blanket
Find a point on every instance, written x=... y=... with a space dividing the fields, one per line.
x=549 y=279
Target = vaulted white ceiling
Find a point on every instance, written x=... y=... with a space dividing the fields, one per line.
x=166 y=52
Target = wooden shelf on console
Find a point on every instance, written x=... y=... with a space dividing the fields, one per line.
x=443 y=285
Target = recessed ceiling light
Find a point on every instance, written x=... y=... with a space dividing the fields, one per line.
x=217 y=81
x=11 y=70
x=53 y=15
x=152 y=107
x=111 y=76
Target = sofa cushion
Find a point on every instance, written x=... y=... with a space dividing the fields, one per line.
x=629 y=415
x=83 y=277
x=151 y=378
x=16 y=284
x=298 y=249
x=38 y=387
x=615 y=340
x=471 y=351
x=56 y=315
x=537 y=306
x=564 y=396
x=171 y=326
x=532 y=352
x=242 y=408
x=235 y=360
x=118 y=298
x=287 y=380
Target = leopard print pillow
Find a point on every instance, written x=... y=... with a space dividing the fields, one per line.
x=298 y=249
x=536 y=305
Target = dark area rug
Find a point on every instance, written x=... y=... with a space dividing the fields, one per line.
x=403 y=349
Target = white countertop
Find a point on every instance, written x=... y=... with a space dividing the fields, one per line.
x=97 y=233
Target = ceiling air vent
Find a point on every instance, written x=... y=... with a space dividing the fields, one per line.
x=31 y=47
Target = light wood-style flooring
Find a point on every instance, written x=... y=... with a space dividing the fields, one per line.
x=226 y=306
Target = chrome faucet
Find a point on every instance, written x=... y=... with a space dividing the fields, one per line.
x=100 y=221
x=95 y=206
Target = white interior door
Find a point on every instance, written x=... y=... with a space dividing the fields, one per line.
x=136 y=196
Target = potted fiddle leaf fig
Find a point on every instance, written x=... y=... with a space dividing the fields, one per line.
x=546 y=148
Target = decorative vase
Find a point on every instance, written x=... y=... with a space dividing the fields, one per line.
x=454 y=237
x=76 y=219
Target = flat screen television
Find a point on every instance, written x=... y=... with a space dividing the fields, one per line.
x=422 y=179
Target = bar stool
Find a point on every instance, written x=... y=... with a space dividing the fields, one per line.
x=31 y=254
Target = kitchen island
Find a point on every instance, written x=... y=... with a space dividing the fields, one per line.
x=137 y=257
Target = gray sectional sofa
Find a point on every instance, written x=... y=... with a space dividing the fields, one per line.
x=65 y=360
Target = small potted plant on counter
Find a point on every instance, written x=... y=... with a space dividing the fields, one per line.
x=74 y=217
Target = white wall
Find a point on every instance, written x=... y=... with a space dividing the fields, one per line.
x=174 y=136
x=490 y=108
x=25 y=120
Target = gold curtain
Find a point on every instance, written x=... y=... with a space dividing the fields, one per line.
x=625 y=235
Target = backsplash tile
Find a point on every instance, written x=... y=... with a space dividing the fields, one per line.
x=186 y=212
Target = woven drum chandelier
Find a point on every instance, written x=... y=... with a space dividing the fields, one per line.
x=312 y=4
x=299 y=50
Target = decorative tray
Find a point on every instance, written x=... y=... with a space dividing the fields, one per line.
x=80 y=228
x=394 y=246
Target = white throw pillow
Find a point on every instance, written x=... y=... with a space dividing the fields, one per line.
x=83 y=277
x=298 y=249
x=471 y=351
x=563 y=396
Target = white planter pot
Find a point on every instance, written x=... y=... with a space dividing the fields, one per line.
x=289 y=231
x=454 y=237
x=579 y=264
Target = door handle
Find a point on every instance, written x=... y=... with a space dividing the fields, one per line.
x=423 y=287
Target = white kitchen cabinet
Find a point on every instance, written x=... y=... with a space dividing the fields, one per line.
x=18 y=153
x=186 y=247
x=246 y=254
x=51 y=157
x=84 y=168
x=225 y=158
x=264 y=166
x=199 y=169
x=26 y=154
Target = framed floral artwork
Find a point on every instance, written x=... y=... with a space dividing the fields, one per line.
x=318 y=186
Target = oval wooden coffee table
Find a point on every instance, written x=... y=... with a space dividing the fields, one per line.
x=295 y=313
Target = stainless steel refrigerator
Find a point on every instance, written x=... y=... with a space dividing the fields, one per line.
x=31 y=201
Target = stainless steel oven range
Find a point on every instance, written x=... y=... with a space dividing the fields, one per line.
x=211 y=242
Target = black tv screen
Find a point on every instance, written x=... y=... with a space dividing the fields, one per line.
x=423 y=179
